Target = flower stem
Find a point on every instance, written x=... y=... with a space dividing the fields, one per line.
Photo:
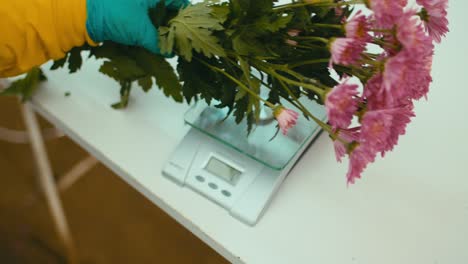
x=239 y=83
x=294 y=102
x=278 y=76
x=319 y=122
x=383 y=44
x=328 y=26
x=308 y=62
x=324 y=3
x=324 y=40
x=382 y=30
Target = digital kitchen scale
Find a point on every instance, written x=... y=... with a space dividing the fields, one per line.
x=239 y=172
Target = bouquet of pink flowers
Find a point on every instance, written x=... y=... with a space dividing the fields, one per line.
x=395 y=78
x=229 y=51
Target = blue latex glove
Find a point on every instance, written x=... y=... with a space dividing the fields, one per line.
x=125 y=21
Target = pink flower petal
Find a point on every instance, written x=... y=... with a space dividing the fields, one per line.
x=381 y=129
x=286 y=118
x=359 y=159
x=387 y=12
x=346 y=51
x=348 y=135
x=434 y=15
x=358 y=28
x=341 y=104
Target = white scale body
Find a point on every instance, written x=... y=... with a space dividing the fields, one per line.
x=240 y=184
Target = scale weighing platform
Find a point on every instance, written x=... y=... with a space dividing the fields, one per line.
x=239 y=172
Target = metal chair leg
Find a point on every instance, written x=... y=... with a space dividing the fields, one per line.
x=47 y=182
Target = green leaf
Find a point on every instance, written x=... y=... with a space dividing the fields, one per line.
x=241 y=108
x=254 y=102
x=158 y=13
x=227 y=98
x=59 y=63
x=250 y=122
x=273 y=25
x=198 y=80
x=128 y=69
x=251 y=9
x=162 y=71
x=108 y=50
x=42 y=76
x=75 y=60
x=167 y=40
x=125 y=89
x=15 y=88
x=108 y=68
x=26 y=86
x=247 y=44
x=192 y=29
x=323 y=11
x=221 y=12
x=146 y=83
x=245 y=66
x=274 y=96
x=240 y=94
x=122 y=69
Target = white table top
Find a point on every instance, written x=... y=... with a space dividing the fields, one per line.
x=410 y=208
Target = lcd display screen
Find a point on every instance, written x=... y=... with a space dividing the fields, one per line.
x=222 y=170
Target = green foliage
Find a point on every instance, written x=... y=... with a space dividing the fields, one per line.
x=228 y=54
x=193 y=29
x=247 y=9
x=25 y=87
x=128 y=65
x=72 y=58
x=197 y=81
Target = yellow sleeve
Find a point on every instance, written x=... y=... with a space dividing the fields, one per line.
x=35 y=31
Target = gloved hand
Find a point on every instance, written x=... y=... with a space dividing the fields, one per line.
x=125 y=21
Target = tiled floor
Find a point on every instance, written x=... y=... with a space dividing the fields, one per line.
x=111 y=222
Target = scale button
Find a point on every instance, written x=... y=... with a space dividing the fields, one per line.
x=200 y=178
x=213 y=186
x=226 y=193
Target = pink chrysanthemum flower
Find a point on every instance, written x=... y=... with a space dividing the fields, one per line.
x=339 y=11
x=422 y=84
x=419 y=81
x=348 y=135
x=291 y=42
x=341 y=104
x=401 y=118
x=434 y=15
x=395 y=87
x=381 y=129
x=411 y=35
x=294 y=32
x=376 y=129
x=407 y=71
x=346 y=51
x=376 y=126
x=361 y=156
x=380 y=132
x=373 y=93
x=406 y=76
x=286 y=118
x=358 y=28
x=387 y=12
